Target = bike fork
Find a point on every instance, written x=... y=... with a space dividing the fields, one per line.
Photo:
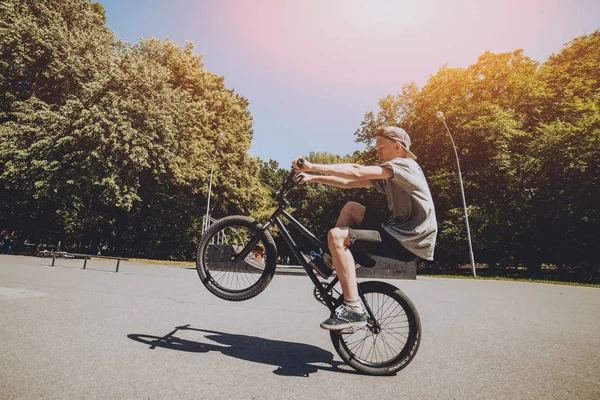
x=374 y=324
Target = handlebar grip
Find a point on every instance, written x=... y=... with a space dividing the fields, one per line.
x=300 y=161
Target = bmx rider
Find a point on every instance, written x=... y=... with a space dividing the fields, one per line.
x=409 y=234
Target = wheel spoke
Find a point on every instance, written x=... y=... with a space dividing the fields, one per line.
x=387 y=345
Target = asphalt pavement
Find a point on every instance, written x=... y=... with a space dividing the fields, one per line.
x=154 y=332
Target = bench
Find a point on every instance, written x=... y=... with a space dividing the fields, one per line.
x=64 y=254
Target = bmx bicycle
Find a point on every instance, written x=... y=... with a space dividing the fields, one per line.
x=236 y=259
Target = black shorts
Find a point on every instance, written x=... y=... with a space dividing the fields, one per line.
x=370 y=237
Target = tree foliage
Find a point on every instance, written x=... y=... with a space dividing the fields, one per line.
x=110 y=141
x=563 y=166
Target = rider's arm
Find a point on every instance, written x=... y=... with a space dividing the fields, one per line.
x=340 y=182
x=350 y=171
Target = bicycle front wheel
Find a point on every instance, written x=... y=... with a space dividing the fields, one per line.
x=388 y=344
x=216 y=263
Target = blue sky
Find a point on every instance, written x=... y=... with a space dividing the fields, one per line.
x=311 y=69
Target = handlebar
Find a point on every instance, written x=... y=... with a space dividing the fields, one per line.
x=291 y=181
x=300 y=163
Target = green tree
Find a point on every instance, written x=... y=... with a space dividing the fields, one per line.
x=106 y=141
x=272 y=176
x=48 y=52
x=564 y=166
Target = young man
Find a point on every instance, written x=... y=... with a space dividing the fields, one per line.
x=409 y=234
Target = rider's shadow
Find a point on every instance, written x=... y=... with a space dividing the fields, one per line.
x=291 y=359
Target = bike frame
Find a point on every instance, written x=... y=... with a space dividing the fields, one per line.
x=283 y=203
x=322 y=287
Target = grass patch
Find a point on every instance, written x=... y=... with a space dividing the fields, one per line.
x=511 y=278
x=549 y=274
x=163 y=262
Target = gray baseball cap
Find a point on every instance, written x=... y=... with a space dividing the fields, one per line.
x=396 y=134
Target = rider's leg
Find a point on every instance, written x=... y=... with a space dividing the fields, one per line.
x=339 y=240
x=352 y=214
x=350 y=314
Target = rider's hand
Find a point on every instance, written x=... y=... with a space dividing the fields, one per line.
x=306 y=166
x=303 y=178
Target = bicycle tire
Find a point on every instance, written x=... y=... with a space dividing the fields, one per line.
x=391 y=359
x=213 y=259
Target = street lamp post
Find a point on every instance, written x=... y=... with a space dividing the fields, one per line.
x=440 y=116
x=212 y=168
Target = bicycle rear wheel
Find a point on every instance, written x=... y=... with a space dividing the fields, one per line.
x=217 y=268
x=390 y=348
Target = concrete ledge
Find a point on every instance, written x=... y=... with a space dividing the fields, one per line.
x=374 y=266
x=385 y=268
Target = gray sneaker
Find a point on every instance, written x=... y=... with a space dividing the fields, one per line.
x=343 y=318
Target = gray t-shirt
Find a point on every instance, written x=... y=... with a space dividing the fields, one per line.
x=413 y=220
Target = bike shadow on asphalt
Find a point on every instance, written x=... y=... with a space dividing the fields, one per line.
x=291 y=359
